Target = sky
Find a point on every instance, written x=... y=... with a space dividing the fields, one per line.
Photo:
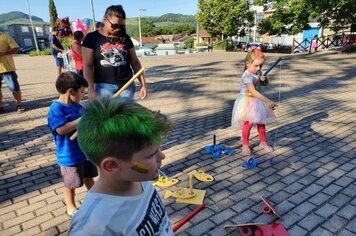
x=82 y=8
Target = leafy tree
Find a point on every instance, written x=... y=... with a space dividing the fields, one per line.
x=292 y=16
x=52 y=13
x=148 y=28
x=228 y=17
x=183 y=29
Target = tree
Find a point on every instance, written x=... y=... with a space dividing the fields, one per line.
x=228 y=17
x=292 y=16
x=148 y=28
x=52 y=13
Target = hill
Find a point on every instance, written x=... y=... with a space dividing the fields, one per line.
x=16 y=17
x=168 y=20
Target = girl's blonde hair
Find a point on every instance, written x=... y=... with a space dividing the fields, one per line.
x=253 y=55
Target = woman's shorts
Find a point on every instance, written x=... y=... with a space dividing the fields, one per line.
x=106 y=89
x=73 y=176
x=59 y=61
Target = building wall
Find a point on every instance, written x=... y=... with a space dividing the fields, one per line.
x=22 y=34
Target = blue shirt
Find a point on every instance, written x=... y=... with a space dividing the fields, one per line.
x=68 y=151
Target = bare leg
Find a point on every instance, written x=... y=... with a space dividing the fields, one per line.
x=88 y=182
x=0 y=99
x=69 y=195
x=59 y=70
x=17 y=95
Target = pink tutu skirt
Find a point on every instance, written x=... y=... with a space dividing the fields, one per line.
x=250 y=109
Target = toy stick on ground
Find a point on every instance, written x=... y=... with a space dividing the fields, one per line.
x=75 y=135
x=188 y=217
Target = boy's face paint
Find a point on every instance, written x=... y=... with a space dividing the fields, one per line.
x=139 y=167
x=144 y=164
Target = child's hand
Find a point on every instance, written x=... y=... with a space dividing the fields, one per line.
x=270 y=104
x=264 y=80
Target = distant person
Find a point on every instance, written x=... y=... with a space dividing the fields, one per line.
x=99 y=26
x=8 y=47
x=122 y=138
x=109 y=58
x=76 y=48
x=56 y=49
x=314 y=44
x=63 y=117
x=252 y=108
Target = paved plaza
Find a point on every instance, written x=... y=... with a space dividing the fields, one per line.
x=311 y=180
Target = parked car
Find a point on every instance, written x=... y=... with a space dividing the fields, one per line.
x=299 y=50
x=26 y=50
x=250 y=46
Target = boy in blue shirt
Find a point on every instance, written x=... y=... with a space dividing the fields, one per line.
x=63 y=120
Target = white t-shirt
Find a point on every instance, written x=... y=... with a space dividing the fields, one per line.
x=247 y=77
x=103 y=214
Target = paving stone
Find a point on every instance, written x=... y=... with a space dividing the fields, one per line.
x=319 y=198
x=321 y=232
x=310 y=222
x=334 y=224
x=332 y=189
x=296 y=230
x=340 y=200
x=348 y=212
x=304 y=208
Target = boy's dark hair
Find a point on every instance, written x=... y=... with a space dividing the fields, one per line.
x=115 y=10
x=67 y=80
x=78 y=35
x=113 y=127
x=99 y=24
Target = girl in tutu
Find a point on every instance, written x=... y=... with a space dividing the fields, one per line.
x=251 y=107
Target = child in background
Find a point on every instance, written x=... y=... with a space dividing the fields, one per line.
x=122 y=139
x=76 y=48
x=63 y=120
x=251 y=107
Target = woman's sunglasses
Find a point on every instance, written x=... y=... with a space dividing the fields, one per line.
x=116 y=26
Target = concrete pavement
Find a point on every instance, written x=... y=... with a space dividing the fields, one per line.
x=311 y=180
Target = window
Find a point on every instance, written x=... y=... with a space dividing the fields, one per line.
x=25 y=29
x=39 y=31
x=28 y=42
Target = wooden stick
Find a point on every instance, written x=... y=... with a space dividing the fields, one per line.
x=185 y=219
x=128 y=83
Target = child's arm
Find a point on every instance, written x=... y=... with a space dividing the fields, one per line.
x=251 y=88
x=68 y=127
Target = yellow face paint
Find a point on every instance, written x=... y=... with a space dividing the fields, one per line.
x=139 y=167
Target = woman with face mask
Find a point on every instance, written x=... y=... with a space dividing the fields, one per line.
x=109 y=58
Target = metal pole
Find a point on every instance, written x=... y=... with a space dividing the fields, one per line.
x=92 y=11
x=139 y=24
x=139 y=27
x=33 y=30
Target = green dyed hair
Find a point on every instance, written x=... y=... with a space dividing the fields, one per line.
x=254 y=54
x=118 y=128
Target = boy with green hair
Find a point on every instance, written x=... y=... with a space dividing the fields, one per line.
x=122 y=139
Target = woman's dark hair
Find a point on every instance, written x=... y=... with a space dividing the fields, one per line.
x=115 y=10
x=78 y=35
